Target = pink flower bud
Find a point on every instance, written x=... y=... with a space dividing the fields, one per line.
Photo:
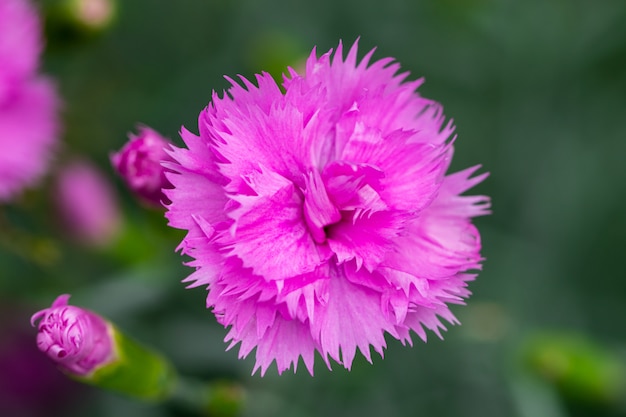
x=87 y=204
x=91 y=14
x=78 y=340
x=139 y=164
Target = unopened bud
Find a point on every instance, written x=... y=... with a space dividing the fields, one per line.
x=139 y=164
x=90 y=349
x=78 y=340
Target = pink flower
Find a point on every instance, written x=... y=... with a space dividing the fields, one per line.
x=319 y=215
x=28 y=103
x=139 y=164
x=78 y=340
x=87 y=204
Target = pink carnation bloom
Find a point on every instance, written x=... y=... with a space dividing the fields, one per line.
x=28 y=103
x=78 y=340
x=319 y=215
x=139 y=164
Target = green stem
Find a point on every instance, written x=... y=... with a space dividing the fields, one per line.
x=214 y=399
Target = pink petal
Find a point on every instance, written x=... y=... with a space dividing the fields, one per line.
x=442 y=242
x=351 y=319
x=196 y=187
x=413 y=171
x=354 y=186
x=270 y=235
x=366 y=239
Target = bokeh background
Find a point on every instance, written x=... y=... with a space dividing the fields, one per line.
x=537 y=89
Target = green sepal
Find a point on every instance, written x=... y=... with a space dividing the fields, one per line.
x=134 y=371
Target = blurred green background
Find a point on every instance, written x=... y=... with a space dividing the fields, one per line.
x=537 y=89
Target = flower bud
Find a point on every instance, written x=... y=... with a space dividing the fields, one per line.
x=92 y=14
x=78 y=340
x=139 y=164
x=582 y=369
x=87 y=204
x=92 y=350
x=80 y=18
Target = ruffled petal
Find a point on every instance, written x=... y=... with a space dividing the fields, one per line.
x=354 y=186
x=269 y=234
x=284 y=133
x=413 y=171
x=442 y=242
x=284 y=342
x=366 y=238
x=196 y=187
x=351 y=319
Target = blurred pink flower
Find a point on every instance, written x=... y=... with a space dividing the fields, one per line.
x=28 y=102
x=139 y=164
x=28 y=129
x=78 y=340
x=20 y=43
x=320 y=216
x=87 y=203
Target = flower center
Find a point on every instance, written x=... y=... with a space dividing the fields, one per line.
x=319 y=211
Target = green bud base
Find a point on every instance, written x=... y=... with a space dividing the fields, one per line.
x=136 y=371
